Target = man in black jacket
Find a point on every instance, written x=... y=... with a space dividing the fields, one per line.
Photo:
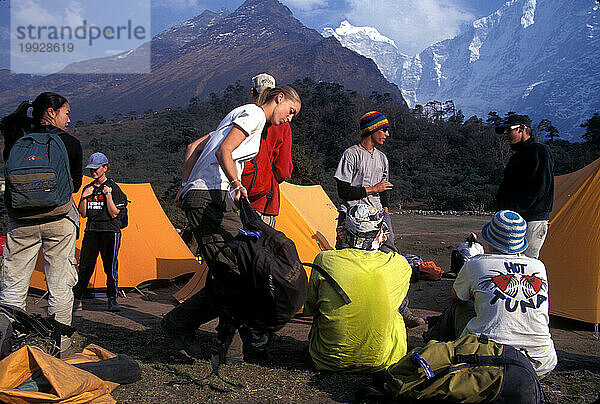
x=528 y=184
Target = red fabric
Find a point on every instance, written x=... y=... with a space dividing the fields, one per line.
x=274 y=162
x=430 y=272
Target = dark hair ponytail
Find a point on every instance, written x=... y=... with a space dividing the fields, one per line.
x=14 y=125
x=44 y=101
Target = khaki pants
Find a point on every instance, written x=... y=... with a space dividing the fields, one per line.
x=23 y=243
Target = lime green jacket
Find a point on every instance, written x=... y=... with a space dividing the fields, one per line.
x=368 y=334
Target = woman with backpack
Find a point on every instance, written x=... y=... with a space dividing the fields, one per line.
x=104 y=204
x=51 y=222
x=211 y=187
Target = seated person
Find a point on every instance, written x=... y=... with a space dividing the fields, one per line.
x=503 y=295
x=467 y=249
x=368 y=334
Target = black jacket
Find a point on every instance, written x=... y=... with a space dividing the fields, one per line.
x=528 y=184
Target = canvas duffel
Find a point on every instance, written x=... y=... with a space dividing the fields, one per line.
x=471 y=369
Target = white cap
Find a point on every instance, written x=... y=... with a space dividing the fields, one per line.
x=262 y=81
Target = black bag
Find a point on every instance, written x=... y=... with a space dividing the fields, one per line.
x=123 y=218
x=272 y=285
x=31 y=329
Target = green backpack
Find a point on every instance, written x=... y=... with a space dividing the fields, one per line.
x=469 y=370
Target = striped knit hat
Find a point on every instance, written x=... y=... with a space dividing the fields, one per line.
x=371 y=122
x=506 y=232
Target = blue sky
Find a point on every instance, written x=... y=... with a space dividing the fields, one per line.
x=412 y=24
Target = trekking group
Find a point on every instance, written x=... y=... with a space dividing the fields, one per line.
x=356 y=294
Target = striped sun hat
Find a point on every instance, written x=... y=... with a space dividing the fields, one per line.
x=506 y=232
x=371 y=122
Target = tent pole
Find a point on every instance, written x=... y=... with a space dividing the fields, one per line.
x=596 y=332
x=46 y=294
x=139 y=291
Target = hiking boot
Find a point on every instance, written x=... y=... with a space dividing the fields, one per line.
x=65 y=343
x=113 y=305
x=227 y=350
x=255 y=344
x=412 y=321
x=188 y=345
x=77 y=305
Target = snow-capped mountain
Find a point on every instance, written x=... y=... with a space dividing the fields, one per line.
x=538 y=57
x=367 y=41
x=203 y=55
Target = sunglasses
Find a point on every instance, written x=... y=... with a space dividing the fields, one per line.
x=510 y=128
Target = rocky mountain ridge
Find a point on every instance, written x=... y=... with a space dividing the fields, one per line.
x=203 y=55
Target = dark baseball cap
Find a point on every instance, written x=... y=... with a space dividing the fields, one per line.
x=513 y=120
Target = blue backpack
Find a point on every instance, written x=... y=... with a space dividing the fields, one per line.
x=38 y=177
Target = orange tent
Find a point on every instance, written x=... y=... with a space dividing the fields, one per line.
x=571 y=251
x=150 y=248
x=306 y=215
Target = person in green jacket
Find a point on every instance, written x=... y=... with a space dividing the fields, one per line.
x=367 y=334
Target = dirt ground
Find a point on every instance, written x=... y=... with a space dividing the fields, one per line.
x=288 y=375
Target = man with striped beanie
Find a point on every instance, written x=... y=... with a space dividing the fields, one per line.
x=503 y=295
x=362 y=176
x=363 y=172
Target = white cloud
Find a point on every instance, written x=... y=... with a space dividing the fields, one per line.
x=412 y=24
x=30 y=12
x=305 y=5
x=176 y=4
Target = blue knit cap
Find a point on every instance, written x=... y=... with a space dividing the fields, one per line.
x=506 y=232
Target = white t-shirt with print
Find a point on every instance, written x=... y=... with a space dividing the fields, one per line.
x=207 y=173
x=510 y=293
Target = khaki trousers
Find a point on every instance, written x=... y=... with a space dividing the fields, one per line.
x=56 y=239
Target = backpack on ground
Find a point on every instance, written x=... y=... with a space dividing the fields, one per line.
x=19 y=328
x=471 y=369
x=38 y=177
x=272 y=285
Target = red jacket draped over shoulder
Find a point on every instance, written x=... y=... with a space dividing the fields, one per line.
x=271 y=166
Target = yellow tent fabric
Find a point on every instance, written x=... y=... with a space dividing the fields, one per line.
x=69 y=384
x=571 y=251
x=306 y=215
x=309 y=218
x=150 y=247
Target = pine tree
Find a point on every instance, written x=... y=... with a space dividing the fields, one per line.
x=493 y=119
x=592 y=130
x=552 y=132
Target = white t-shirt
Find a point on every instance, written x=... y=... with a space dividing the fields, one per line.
x=207 y=173
x=510 y=293
x=468 y=252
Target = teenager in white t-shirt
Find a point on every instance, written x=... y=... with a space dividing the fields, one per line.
x=509 y=295
x=210 y=187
